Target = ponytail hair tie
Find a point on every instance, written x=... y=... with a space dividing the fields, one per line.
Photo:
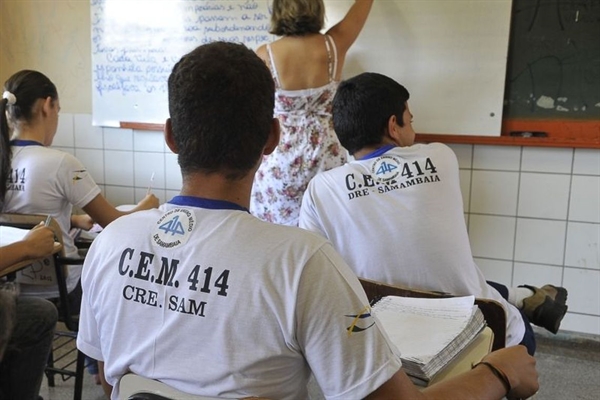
x=10 y=98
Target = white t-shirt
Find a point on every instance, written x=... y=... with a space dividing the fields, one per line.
x=50 y=182
x=212 y=301
x=397 y=217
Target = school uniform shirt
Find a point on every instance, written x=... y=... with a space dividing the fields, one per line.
x=49 y=182
x=397 y=216
x=208 y=299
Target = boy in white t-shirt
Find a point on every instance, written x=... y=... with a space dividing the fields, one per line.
x=395 y=213
x=212 y=301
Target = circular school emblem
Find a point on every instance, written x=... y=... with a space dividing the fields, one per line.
x=174 y=228
x=385 y=168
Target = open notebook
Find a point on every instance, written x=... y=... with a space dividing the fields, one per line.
x=10 y=234
x=429 y=332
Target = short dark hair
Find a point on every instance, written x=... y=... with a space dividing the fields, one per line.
x=362 y=107
x=26 y=87
x=221 y=99
x=297 y=17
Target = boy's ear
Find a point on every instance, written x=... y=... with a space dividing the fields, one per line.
x=273 y=139
x=169 y=136
x=392 y=128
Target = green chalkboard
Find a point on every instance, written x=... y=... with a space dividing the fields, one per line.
x=553 y=69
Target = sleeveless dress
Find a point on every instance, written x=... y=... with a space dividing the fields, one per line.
x=308 y=145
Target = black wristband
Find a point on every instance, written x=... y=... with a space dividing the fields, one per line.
x=501 y=375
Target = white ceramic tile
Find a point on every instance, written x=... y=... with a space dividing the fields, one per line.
x=464 y=154
x=537 y=275
x=583 y=245
x=492 y=236
x=540 y=241
x=584 y=290
x=173 y=172
x=86 y=135
x=93 y=160
x=547 y=159
x=506 y=158
x=585 y=199
x=496 y=270
x=544 y=195
x=118 y=168
x=147 y=165
x=140 y=193
x=148 y=141
x=64 y=132
x=587 y=162
x=494 y=192
x=118 y=139
x=581 y=323
x=119 y=195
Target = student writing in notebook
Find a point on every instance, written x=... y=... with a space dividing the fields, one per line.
x=36 y=179
x=201 y=282
x=395 y=213
x=26 y=323
x=306 y=67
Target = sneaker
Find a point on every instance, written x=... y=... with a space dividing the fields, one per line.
x=546 y=307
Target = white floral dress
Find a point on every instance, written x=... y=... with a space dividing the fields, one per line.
x=308 y=145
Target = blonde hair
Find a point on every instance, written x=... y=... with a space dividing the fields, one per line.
x=297 y=17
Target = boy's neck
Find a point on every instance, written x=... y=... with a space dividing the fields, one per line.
x=216 y=187
x=370 y=149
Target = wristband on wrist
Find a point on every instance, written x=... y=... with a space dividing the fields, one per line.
x=499 y=374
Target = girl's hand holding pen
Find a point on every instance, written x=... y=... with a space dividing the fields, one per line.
x=40 y=241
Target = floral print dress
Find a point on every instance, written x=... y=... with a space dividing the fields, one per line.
x=308 y=145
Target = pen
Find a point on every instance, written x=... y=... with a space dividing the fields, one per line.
x=48 y=219
x=150 y=186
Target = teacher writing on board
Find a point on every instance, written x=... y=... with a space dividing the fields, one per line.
x=306 y=67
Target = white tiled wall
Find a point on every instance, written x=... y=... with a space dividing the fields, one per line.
x=533 y=213
x=534 y=217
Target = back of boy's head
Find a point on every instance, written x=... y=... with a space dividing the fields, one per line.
x=362 y=107
x=221 y=99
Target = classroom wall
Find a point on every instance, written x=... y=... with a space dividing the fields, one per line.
x=533 y=213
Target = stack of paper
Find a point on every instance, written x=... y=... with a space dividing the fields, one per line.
x=429 y=332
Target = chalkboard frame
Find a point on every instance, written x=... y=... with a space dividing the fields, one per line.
x=561 y=26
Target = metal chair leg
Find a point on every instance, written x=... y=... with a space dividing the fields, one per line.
x=79 y=376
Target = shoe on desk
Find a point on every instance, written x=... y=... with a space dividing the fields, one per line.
x=546 y=307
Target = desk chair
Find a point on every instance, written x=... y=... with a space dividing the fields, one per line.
x=61 y=360
x=135 y=387
x=494 y=314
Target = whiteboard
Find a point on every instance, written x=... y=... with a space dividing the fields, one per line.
x=450 y=54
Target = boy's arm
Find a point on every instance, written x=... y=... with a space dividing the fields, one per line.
x=478 y=384
x=105 y=386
